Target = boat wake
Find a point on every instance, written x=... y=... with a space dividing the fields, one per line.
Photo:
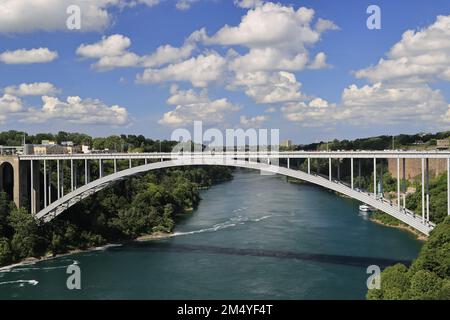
x=21 y=282
x=232 y=222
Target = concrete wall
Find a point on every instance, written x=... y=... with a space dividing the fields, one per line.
x=413 y=167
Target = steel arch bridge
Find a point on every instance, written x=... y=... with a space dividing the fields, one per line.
x=29 y=167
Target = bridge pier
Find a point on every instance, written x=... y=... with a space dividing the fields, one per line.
x=448 y=186
x=423 y=190
x=375 y=177
x=398 y=184
x=351 y=173
x=329 y=169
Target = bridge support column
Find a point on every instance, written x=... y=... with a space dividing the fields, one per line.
x=375 y=177
x=100 y=168
x=86 y=172
x=423 y=190
x=427 y=187
x=288 y=164
x=45 y=183
x=32 y=195
x=130 y=163
x=309 y=165
x=58 y=182
x=448 y=186
x=398 y=184
x=359 y=173
x=34 y=185
x=339 y=170
x=351 y=173
x=404 y=182
x=71 y=176
x=49 y=185
x=115 y=165
x=329 y=169
x=62 y=178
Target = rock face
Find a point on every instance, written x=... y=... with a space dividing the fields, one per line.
x=413 y=167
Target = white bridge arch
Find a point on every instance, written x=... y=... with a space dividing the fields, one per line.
x=56 y=208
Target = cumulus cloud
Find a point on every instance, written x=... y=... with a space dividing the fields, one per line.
x=323 y=25
x=112 y=52
x=10 y=103
x=248 y=4
x=253 y=122
x=78 y=111
x=200 y=71
x=196 y=106
x=264 y=87
x=419 y=57
x=185 y=4
x=319 y=62
x=32 y=89
x=375 y=104
x=315 y=113
x=24 y=56
x=277 y=37
x=51 y=15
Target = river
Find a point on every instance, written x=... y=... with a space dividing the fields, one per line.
x=255 y=237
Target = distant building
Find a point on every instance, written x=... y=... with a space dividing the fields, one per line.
x=443 y=144
x=85 y=149
x=48 y=142
x=286 y=144
x=67 y=143
x=48 y=149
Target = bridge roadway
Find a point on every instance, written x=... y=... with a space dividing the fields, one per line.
x=267 y=162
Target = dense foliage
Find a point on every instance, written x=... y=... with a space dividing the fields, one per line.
x=429 y=275
x=131 y=208
x=427 y=278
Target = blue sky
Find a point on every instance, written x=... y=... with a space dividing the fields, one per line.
x=347 y=95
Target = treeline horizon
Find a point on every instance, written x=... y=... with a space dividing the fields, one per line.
x=140 y=143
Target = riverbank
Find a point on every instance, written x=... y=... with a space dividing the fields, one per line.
x=33 y=260
x=397 y=224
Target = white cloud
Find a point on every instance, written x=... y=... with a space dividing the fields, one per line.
x=271 y=25
x=51 y=15
x=185 y=4
x=374 y=105
x=114 y=45
x=192 y=106
x=248 y=4
x=32 y=89
x=10 y=104
x=253 y=121
x=323 y=25
x=277 y=36
x=78 y=111
x=419 y=57
x=264 y=87
x=269 y=59
x=24 y=56
x=381 y=103
x=200 y=71
x=319 y=62
x=316 y=113
x=112 y=52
